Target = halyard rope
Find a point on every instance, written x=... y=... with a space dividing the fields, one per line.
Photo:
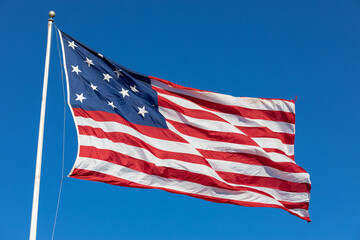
x=64 y=128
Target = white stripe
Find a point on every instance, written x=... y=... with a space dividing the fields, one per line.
x=205 y=144
x=205 y=124
x=278 y=157
x=172 y=184
x=251 y=170
x=265 y=142
x=300 y=211
x=280 y=127
x=255 y=170
x=145 y=155
x=155 y=142
x=275 y=126
x=223 y=127
x=169 y=145
x=283 y=195
x=232 y=147
x=246 y=102
x=288 y=149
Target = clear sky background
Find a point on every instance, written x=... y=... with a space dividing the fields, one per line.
x=274 y=49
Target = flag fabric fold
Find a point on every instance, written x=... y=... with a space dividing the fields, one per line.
x=141 y=131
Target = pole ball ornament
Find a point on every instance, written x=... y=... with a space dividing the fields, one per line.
x=52 y=14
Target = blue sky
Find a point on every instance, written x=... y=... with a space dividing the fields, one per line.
x=273 y=49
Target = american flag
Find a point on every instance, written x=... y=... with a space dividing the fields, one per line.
x=141 y=131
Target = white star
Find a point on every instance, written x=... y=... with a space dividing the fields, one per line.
x=76 y=69
x=142 y=111
x=107 y=77
x=111 y=104
x=124 y=92
x=100 y=55
x=89 y=62
x=133 y=88
x=72 y=45
x=118 y=72
x=80 y=97
x=93 y=87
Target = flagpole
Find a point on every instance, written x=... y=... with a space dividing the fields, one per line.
x=35 y=205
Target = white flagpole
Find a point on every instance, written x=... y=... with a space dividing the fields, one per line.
x=35 y=205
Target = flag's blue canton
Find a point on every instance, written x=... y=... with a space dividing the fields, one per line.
x=99 y=84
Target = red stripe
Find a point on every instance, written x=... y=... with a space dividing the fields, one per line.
x=236 y=157
x=271 y=115
x=259 y=132
x=105 y=178
x=198 y=90
x=166 y=172
x=295 y=205
x=251 y=159
x=229 y=137
x=206 y=154
x=194 y=113
x=100 y=116
x=275 y=150
x=128 y=139
x=286 y=138
x=268 y=182
x=152 y=169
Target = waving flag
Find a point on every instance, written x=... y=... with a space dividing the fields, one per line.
x=140 y=131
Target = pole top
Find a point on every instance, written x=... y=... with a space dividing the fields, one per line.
x=52 y=14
